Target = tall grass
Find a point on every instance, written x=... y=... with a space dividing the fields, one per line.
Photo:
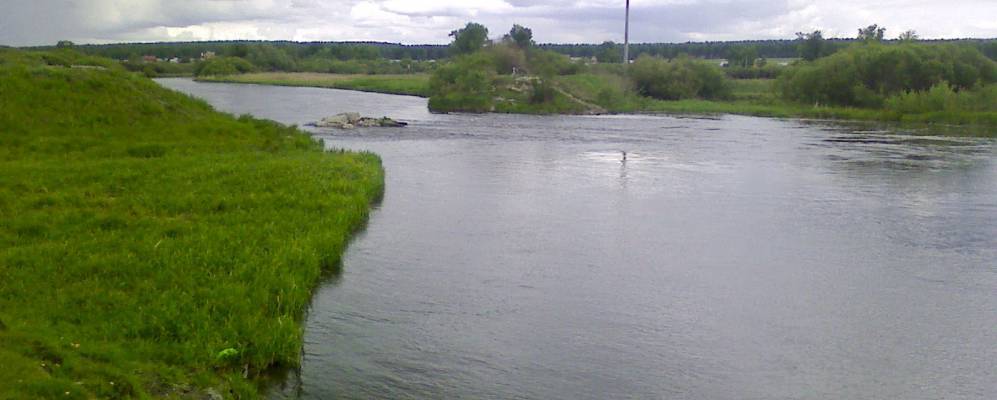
x=150 y=246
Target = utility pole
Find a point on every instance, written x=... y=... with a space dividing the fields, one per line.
x=626 y=38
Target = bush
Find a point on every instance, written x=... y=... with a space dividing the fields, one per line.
x=542 y=92
x=866 y=75
x=507 y=58
x=223 y=66
x=269 y=58
x=149 y=71
x=466 y=84
x=942 y=97
x=549 y=63
x=681 y=78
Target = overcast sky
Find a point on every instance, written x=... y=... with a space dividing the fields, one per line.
x=37 y=22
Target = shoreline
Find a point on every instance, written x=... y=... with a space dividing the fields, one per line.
x=402 y=85
x=636 y=106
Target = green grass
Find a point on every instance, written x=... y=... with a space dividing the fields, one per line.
x=410 y=84
x=783 y=109
x=753 y=89
x=152 y=247
x=514 y=98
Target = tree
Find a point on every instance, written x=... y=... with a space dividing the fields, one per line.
x=270 y=58
x=681 y=78
x=609 y=52
x=521 y=36
x=465 y=84
x=812 y=45
x=65 y=44
x=742 y=56
x=871 y=33
x=909 y=36
x=866 y=76
x=469 y=39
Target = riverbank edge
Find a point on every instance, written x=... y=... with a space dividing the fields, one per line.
x=686 y=107
x=352 y=83
x=49 y=356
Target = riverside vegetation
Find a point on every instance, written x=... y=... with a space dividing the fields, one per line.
x=151 y=246
x=868 y=80
x=863 y=79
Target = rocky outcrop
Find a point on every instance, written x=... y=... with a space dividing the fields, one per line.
x=352 y=120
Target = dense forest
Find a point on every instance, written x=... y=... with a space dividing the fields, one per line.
x=786 y=48
x=296 y=50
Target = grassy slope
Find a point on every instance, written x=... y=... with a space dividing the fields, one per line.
x=143 y=233
x=414 y=84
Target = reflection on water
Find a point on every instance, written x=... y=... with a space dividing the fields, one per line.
x=727 y=258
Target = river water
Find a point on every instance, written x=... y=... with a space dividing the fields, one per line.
x=517 y=257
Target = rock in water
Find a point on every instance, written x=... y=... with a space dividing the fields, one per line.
x=352 y=120
x=390 y=123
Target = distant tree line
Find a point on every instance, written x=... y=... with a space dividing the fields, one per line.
x=295 y=50
x=809 y=45
x=816 y=46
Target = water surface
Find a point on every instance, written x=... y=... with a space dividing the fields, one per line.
x=517 y=257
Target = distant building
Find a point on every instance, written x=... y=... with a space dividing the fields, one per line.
x=149 y=59
x=175 y=60
x=207 y=55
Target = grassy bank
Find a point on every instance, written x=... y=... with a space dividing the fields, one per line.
x=412 y=84
x=754 y=97
x=150 y=246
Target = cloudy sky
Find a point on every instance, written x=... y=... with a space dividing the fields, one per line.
x=36 y=22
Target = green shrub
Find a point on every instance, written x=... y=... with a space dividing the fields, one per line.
x=942 y=97
x=149 y=71
x=549 y=63
x=269 y=58
x=508 y=58
x=223 y=66
x=466 y=84
x=865 y=75
x=542 y=92
x=681 y=78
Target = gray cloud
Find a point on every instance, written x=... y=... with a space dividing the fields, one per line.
x=33 y=22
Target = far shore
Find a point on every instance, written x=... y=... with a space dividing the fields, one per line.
x=750 y=98
x=409 y=84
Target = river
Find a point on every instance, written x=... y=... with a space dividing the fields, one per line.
x=518 y=257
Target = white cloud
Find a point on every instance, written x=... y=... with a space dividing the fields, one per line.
x=429 y=21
